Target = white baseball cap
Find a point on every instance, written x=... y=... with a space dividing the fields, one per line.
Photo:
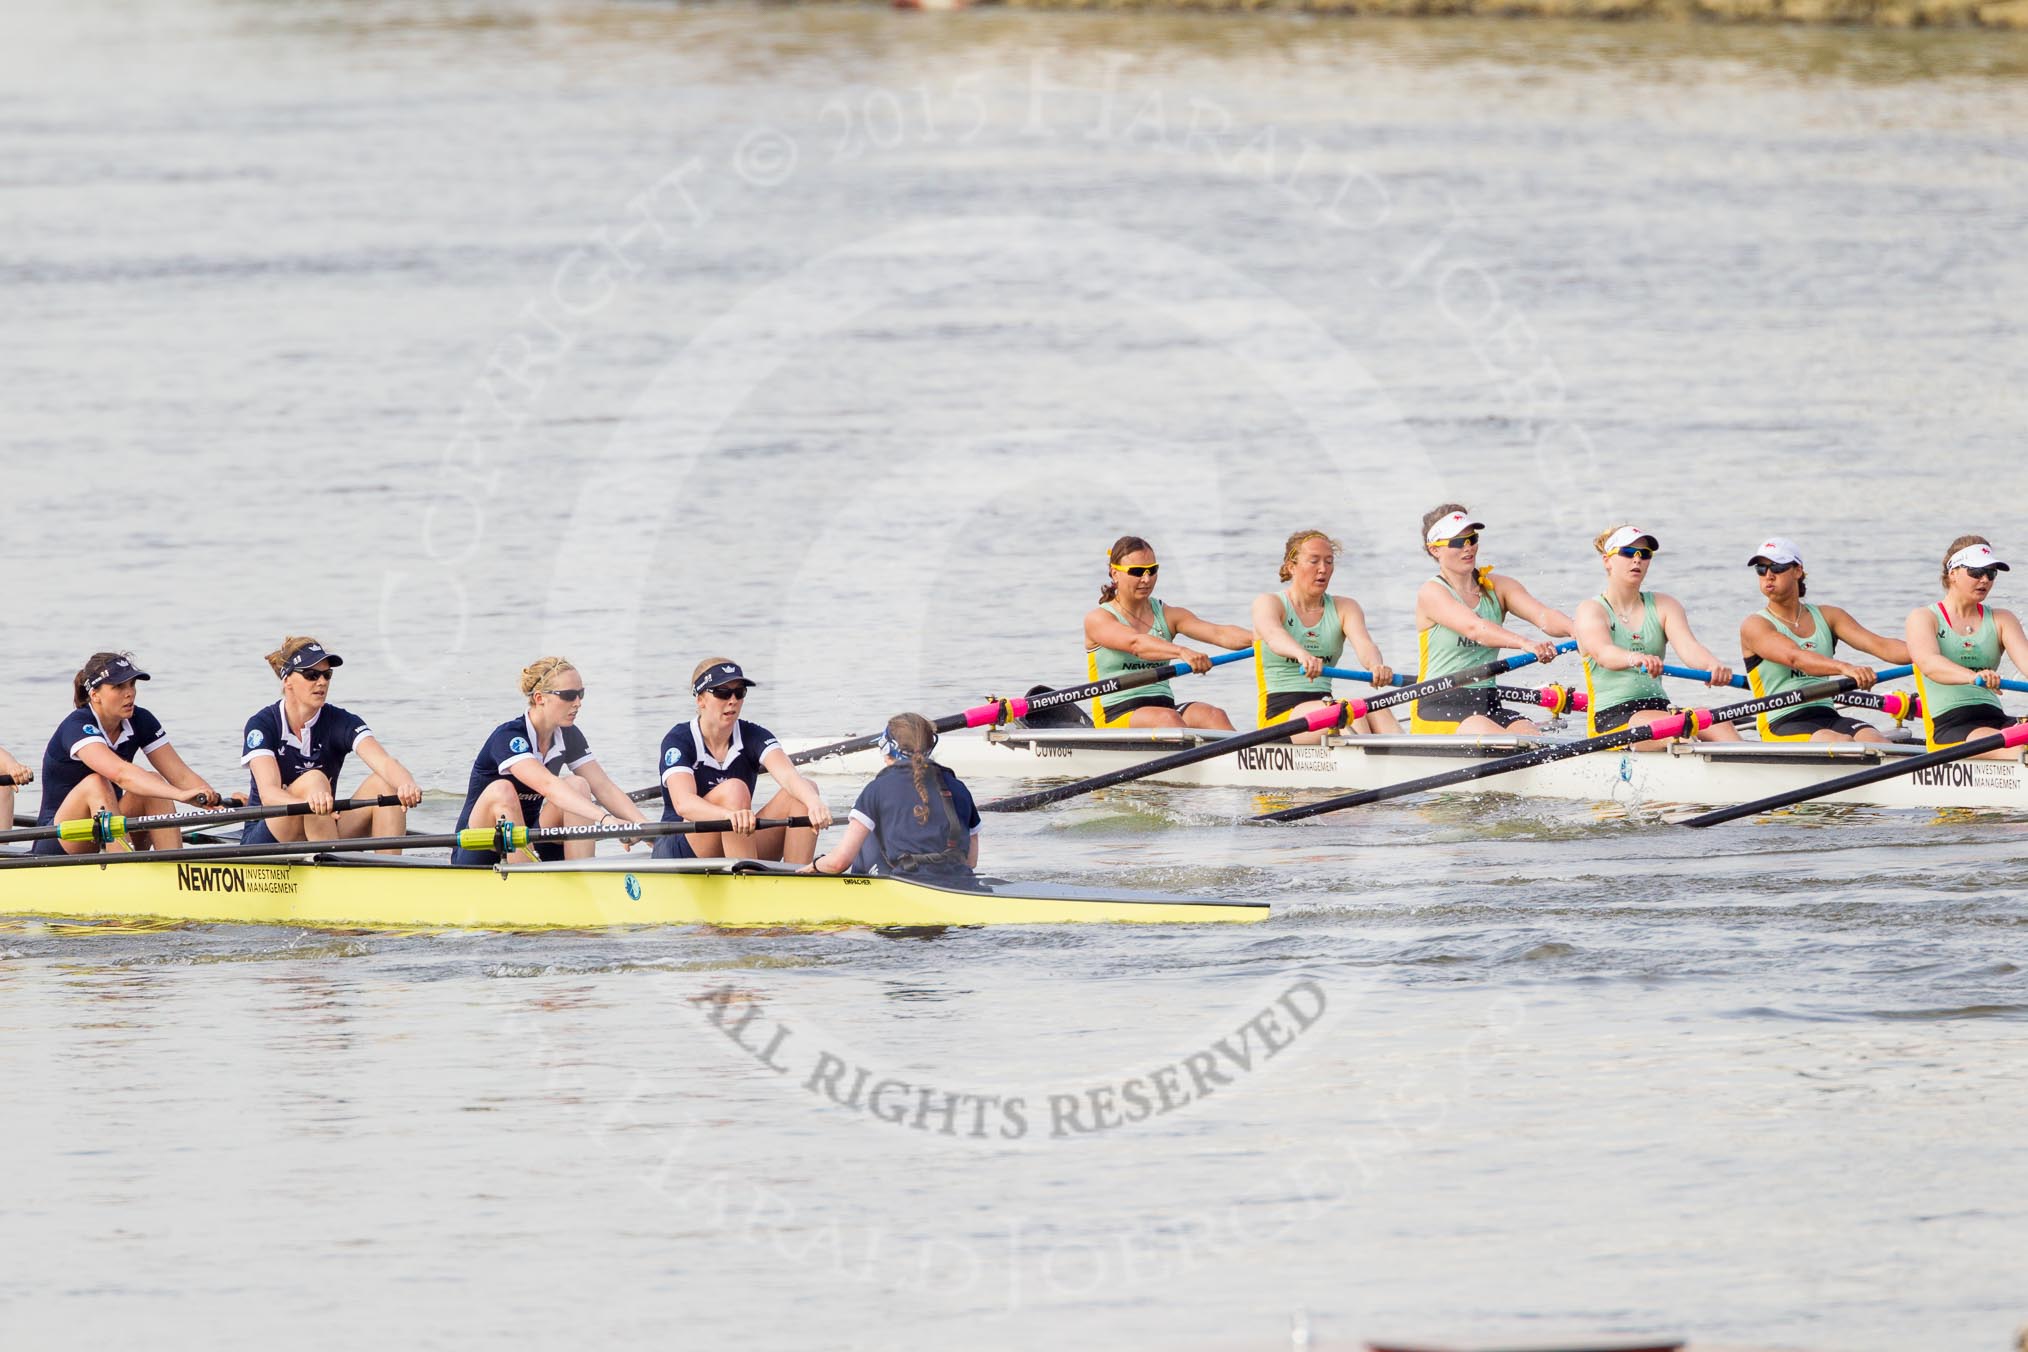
x=1626 y=535
x=1448 y=527
x=1976 y=556
x=1775 y=549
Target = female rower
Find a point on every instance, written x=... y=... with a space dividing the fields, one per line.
x=1131 y=631
x=1788 y=642
x=1461 y=615
x=1956 y=646
x=16 y=774
x=915 y=819
x=295 y=748
x=1302 y=629
x=710 y=766
x=512 y=779
x=1622 y=633
x=88 y=767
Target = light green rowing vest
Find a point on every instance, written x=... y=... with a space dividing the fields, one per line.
x=1445 y=650
x=1974 y=652
x=1608 y=688
x=1772 y=678
x=1107 y=663
x=1325 y=639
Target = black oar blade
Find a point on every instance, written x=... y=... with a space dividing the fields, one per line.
x=1978 y=746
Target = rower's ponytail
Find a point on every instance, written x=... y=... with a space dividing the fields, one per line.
x=79 y=696
x=910 y=736
x=1956 y=545
x=1295 y=544
x=1125 y=545
x=536 y=674
x=278 y=660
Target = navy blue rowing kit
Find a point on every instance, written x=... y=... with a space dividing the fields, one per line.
x=330 y=735
x=912 y=837
x=684 y=753
x=62 y=771
x=510 y=744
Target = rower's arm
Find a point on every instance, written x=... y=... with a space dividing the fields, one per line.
x=1676 y=628
x=391 y=771
x=1520 y=601
x=536 y=777
x=1188 y=624
x=840 y=858
x=690 y=805
x=2013 y=639
x=190 y=787
x=1928 y=658
x=1352 y=618
x=1853 y=634
x=1268 y=630
x=14 y=769
x=1102 y=629
x=1439 y=606
x=610 y=796
x=1758 y=638
x=777 y=763
x=267 y=778
x=126 y=776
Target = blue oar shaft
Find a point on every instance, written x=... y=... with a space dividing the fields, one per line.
x=1355 y=674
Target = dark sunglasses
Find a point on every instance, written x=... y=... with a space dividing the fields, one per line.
x=1635 y=552
x=1460 y=541
x=1139 y=569
x=1776 y=568
x=1983 y=574
x=567 y=696
x=728 y=693
x=316 y=674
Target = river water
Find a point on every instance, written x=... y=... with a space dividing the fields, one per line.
x=843 y=341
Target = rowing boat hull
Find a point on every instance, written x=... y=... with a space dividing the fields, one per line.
x=1702 y=773
x=425 y=894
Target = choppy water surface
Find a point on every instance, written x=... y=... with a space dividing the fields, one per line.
x=843 y=341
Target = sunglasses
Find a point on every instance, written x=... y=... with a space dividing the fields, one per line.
x=1776 y=568
x=567 y=696
x=1460 y=541
x=1138 y=569
x=728 y=693
x=1634 y=552
x=1982 y=574
x=316 y=674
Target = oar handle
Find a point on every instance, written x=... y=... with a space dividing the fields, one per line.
x=9 y=781
x=1702 y=677
x=1355 y=674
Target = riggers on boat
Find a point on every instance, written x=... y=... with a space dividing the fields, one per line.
x=1684 y=773
x=410 y=893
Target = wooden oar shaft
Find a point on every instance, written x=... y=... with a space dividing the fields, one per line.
x=1673 y=725
x=479 y=838
x=2017 y=735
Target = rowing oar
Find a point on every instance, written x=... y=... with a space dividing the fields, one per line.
x=1001 y=710
x=9 y=781
x=1898 y=704
x=2014 y=736
x=1701 y=677
x=1661 y=730
x=106 y=827
x=1322 y=720
x=502 y=839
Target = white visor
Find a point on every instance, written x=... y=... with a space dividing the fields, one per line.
x=1976 y=556
x=1776 y=550
x=1627 y=535
x=1449 y=527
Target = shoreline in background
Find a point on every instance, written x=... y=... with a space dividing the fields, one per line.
x=2005 y=15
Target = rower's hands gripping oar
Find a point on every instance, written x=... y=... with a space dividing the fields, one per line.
x=1662 y=729
x=2012 y=737
x=1322 y=720
x=108 y=827
x=998 y=711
